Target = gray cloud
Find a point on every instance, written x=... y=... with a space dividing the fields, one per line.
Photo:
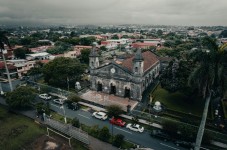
x=165 y=12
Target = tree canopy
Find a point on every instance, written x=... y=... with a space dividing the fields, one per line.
x=114 y=110
x=20 y=98
x=61 y=70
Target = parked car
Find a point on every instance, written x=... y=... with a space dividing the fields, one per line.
x=25 y=78
x=185 y=144
x=161 y=135
x=59 y=101
x=45 y=96
x=117 y=122
x=135 y=127
x=100 y=115
x=72 y=105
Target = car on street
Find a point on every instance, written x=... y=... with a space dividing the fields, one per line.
x=161 y=135
x=72 y=105
x=59 y=101
x=45 y=96
x=100 y=115
x=117 y=122
x=135 y=127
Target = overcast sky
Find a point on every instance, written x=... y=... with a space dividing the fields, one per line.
x=154 y=12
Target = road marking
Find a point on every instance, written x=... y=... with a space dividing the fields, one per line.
x=169 y=146
x=123 y=130
x=84 y=116
x=55 y=105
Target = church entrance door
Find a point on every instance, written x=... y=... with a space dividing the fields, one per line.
x=127 y=92
x=99 y=88
x=112 y=89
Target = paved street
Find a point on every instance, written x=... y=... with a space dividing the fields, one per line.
x=143 y=139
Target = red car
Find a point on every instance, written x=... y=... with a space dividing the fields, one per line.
x=117 y=122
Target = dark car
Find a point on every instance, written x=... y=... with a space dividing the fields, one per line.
x=72 y=105
x=184 y=144
x=161 y=135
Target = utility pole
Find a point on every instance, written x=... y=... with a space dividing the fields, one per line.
x=7 y=71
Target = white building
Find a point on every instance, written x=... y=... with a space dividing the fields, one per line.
x=38 y=56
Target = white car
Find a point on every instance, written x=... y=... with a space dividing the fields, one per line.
x=100 y=115
x=59 y=101
x=135 y=127
x=45 y=96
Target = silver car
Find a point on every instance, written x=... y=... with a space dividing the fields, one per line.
x=45 y=96
x=59 y=101
x=135 y=127
x=100 y=115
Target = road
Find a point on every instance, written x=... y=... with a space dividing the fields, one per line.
x=143 y=139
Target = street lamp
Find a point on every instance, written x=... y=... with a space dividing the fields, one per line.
x=7 y=71
x=62 y=107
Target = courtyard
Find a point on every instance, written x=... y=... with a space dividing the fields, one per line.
x=107 y=100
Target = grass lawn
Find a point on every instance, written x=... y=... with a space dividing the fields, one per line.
x=17 y=131
x=178 y=101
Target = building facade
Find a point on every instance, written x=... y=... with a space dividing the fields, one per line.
x=128 y=79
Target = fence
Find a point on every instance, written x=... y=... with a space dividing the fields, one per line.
x=68 y=130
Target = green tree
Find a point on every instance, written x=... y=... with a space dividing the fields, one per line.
x=21 y=52
x=87 y=41
x=171 y=128
x=114 y=110
x=104 y=134
x=135 y=119
x=74 y=98
x=115 y=36
x=103 y=48
x=20 y=98
x=159 y=32
x=223 y=34
x=61 y=69
x=118 y=140
x=84 y=57
x=206 y=77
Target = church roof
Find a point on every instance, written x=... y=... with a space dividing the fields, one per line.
x=149 y=60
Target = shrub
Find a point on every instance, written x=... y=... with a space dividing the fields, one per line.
x=75 y=122
x=118 y=140
x=104 y=134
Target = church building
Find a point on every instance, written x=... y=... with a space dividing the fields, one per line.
x=128 y=79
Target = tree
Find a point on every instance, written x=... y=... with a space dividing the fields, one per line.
x=21 y=53
x=87 y=41
x=114 y=110
x=60 y=48
x=171 y=128
x=4 y=40
x=103 y=48
x=75 y=122
x=104 y=134
x=135 y=120
x=223 y=34
x=74 y=98
x=159 y=32
x=20 y=98
x=206 y=77
x=118 y=140
x=84 y=57
x=115 y=36
x=62 y=71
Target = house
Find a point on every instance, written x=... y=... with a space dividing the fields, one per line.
x=38 y=56
x=12 y=70
x=22 y=65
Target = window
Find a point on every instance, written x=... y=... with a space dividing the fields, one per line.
x=136 y=69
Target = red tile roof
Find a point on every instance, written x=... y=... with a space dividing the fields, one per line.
x=10 y=67
x=149 y=60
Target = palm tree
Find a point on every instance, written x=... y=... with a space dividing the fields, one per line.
x=206 y=77
x=4 y=40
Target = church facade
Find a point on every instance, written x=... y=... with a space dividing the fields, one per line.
x=128 y=79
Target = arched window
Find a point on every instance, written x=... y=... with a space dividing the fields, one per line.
x=136 y=69
x=92 y=64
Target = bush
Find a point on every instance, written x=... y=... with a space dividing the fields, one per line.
x=118 y=140
x=104 y=134
x=94 y=131
x=75 y=122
